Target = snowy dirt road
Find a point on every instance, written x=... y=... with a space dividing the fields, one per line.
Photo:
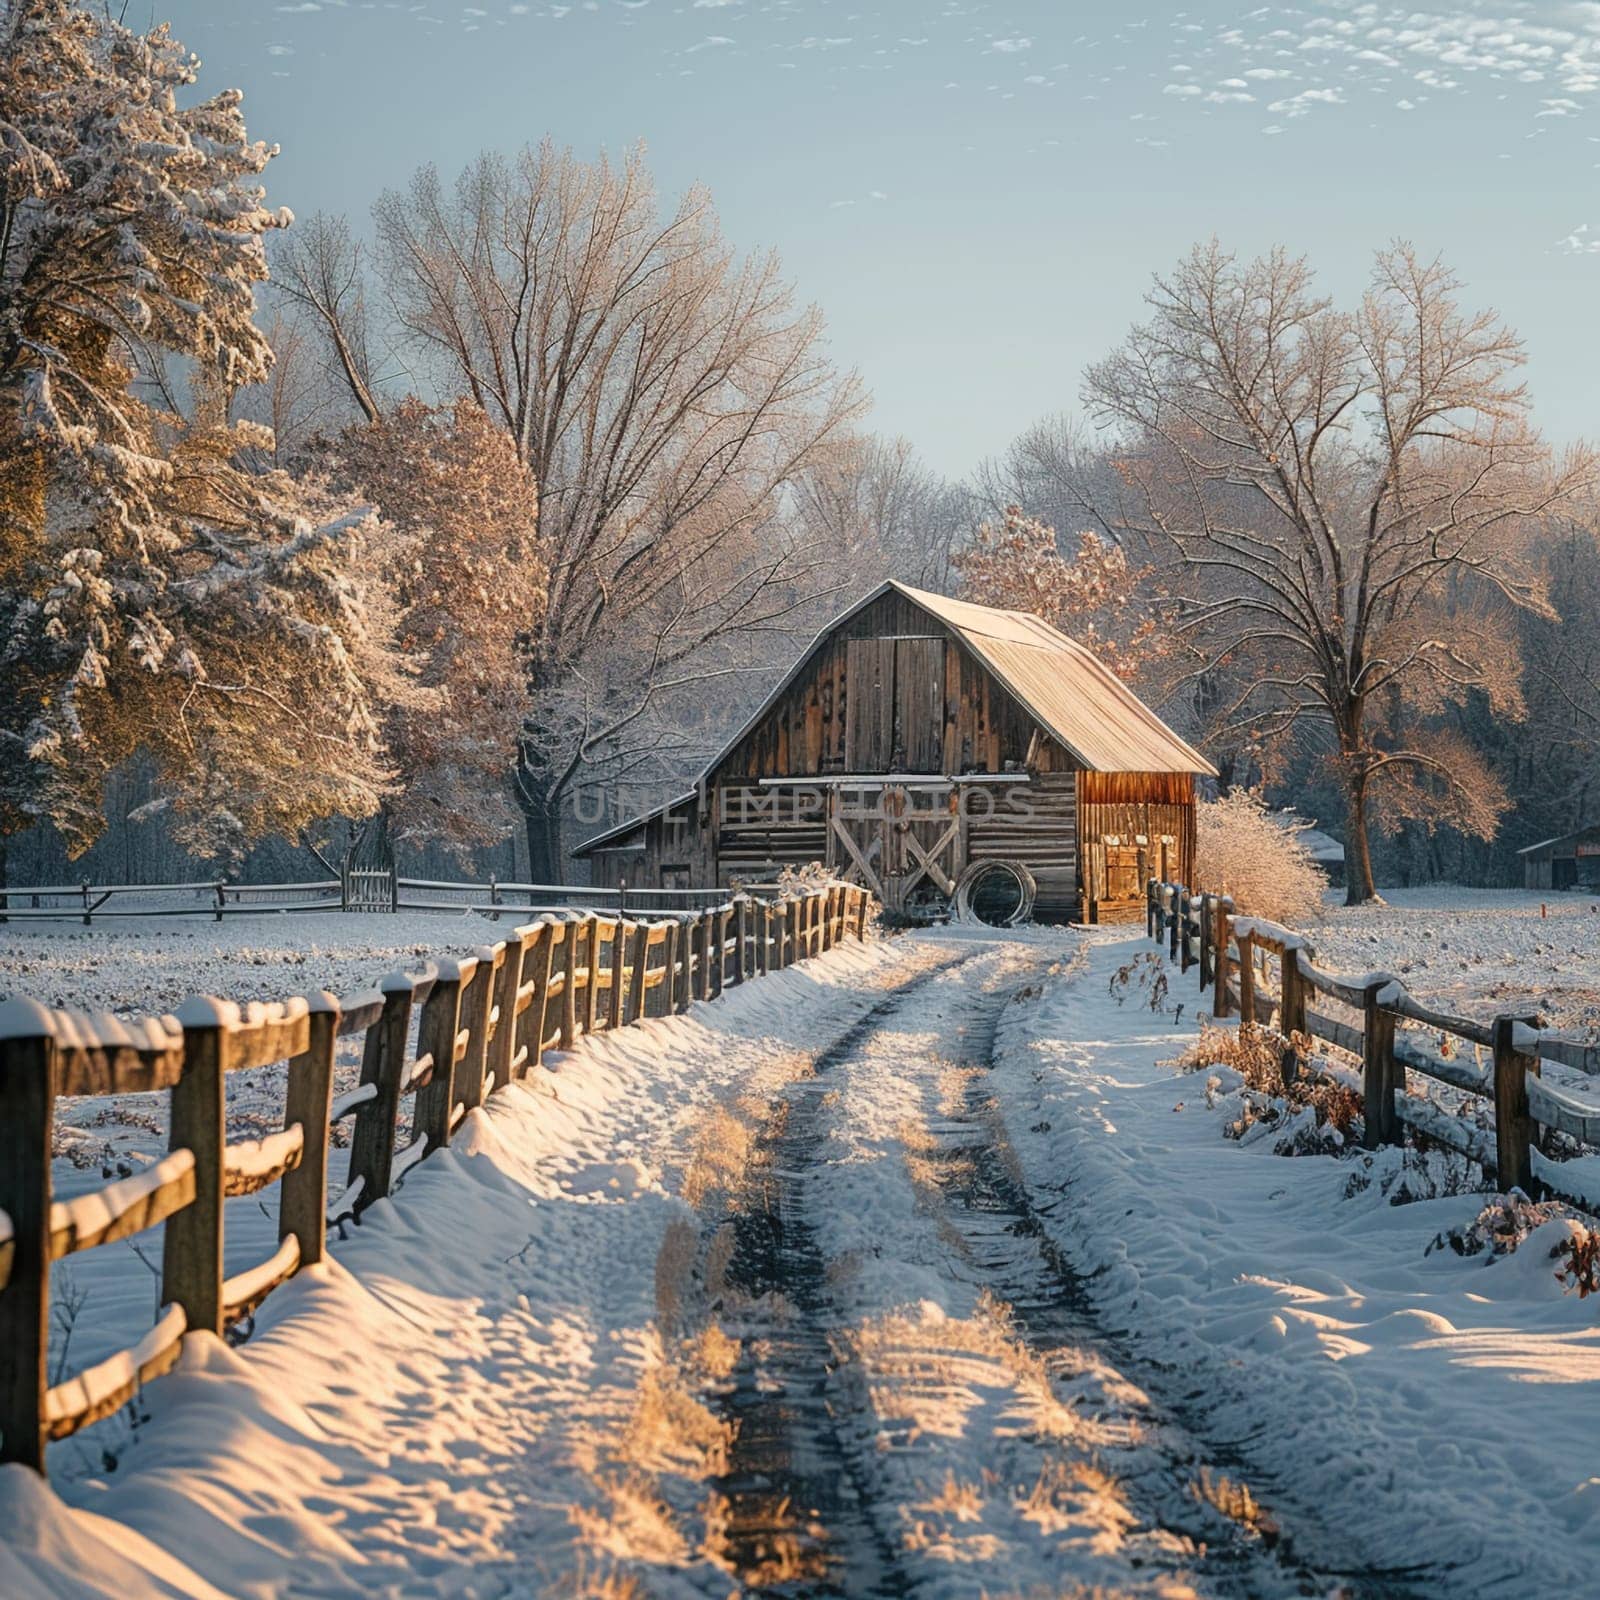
x=890 y=1275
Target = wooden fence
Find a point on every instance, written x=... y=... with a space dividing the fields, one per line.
x=356 y=889
x=1536 y=1137
x=484 y=1021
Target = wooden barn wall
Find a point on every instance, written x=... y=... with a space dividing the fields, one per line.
x=1038 y=826
x=892 y=688
x=669 y=851
x=758 y=830
x=1127 y=804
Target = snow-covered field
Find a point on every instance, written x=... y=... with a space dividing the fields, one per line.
x=143 y=966
x=1476 y=951
x=918 y=1269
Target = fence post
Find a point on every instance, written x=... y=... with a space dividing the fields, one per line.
x=684 y=956
x=1152 y=911
x=477 y=1007
x=1222 y=922
x=88 y=913
x=1206 y=916
x=220 y=886
x=863 y=911
x=543 y=968
x=1377 y=1068
x=1513 y=1122
x=1185 y=907
x=638 y=971
x=702 y=973
x=1247 y=980
x=569 y=987
x=27 y=1109
x=618 y=993
x=308 y=1099
x=591 y=991
x=436 y=1036
x=383 y=1064
x=1174 y=920
x=741 y=936
x=191 y=1247
x=500 y=1050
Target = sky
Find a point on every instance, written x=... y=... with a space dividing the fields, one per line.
x=977 y=195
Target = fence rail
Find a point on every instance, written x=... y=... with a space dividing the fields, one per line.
x=1266 y=973
x=482 y=1022
x=372 y=889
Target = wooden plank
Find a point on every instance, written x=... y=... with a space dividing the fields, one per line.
x=478 y=1007
x=252 y=1165
x=308 y=1101
x=437 y=1036
x=191 y=1257
x=27 y=1108
x=1400 y=999
x=919 y=703
x=244 y=1291
x=1513 y=1120
x=638 y=962
x=383 y=1064
x=107 y=1386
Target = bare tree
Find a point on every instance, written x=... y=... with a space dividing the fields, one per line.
x=1350 y=498
x=884 y=512
x=318 y=271
x=664 y=394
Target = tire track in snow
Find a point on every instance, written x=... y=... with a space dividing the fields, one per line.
x=1187 y=1487
x=806 y=1513
x=799 y=1518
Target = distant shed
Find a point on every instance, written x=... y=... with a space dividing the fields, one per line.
x=917 y=737
x=1569 y=862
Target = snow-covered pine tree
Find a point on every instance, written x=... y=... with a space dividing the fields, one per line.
x=154 y=594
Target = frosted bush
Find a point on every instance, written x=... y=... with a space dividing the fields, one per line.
x=1264 y=866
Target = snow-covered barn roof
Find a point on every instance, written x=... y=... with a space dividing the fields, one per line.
x=1560 y=839
x=1073 y=696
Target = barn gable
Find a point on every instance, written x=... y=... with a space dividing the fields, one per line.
x=918 y=735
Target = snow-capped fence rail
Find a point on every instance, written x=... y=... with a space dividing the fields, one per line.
x=358 y=889
x=485 y=1021
x=1268 y=974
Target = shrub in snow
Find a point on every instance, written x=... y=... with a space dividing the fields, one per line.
x=1305 y=1115
x=1505 y=1221
x=1579 y=1255
x=1241 y=851
x=1146 y=977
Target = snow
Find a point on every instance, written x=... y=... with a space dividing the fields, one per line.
x=1437 y=1402
x=1476 y=952
x=97 y=1383
x=490 y=1388
x=147 y=966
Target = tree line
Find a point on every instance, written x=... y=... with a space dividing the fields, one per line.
x=424 y=524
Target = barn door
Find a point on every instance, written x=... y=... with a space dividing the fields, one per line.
x=858 y=841
x=894 y=705
x=896 y=841
x=869 y=705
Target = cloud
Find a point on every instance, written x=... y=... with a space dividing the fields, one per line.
x=1582 y=241
x=1011 y=47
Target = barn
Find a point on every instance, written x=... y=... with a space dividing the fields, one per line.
x=916 y=738
x=1569 y=862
